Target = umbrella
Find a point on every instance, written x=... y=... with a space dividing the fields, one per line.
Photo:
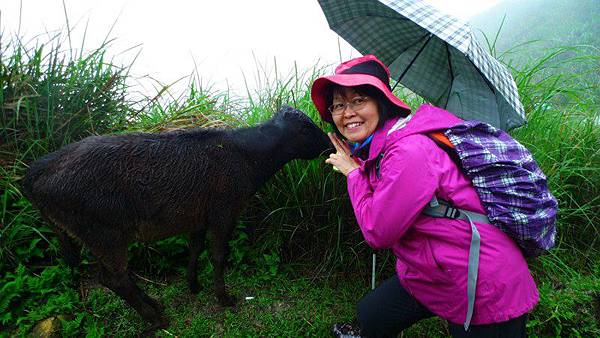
x=433 y=54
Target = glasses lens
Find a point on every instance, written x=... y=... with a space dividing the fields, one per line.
x=359 y=102
x=337 y=108
x=356 y=104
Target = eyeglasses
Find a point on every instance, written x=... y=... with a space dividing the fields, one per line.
x=356 y=104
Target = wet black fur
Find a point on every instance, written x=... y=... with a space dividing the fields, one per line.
x=108 y=191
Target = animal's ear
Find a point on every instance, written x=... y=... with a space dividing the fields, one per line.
x=285 y=109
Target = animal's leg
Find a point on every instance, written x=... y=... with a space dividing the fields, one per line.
x=196 y=244
x=115 y=276
x=222 y=229
x=70 y=251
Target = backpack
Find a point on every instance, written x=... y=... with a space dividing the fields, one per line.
x=510 y=184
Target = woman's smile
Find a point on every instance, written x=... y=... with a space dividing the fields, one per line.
x=353 y=125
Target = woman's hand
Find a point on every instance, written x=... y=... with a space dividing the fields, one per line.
x=341 y=160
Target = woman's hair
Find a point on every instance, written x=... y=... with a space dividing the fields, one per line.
x=387 y=109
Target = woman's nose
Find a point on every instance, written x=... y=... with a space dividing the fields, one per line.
x=349 y=112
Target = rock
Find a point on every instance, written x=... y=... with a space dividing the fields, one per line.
x=49 y=327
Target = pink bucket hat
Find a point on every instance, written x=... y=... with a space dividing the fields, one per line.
x=364 y=70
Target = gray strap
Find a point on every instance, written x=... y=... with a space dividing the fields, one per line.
x=473 y=270
x=474 y=216
x=441 y=208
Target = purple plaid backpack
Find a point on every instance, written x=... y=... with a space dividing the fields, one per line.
x=510 y=184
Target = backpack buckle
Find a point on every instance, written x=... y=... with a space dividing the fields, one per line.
x=451 y=212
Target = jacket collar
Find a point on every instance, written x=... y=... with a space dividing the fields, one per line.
x=380 y=135
x=425 y=119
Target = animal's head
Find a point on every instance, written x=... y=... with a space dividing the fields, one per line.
x=304 y=139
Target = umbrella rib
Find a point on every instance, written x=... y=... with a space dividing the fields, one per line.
x=451 y=75
x=412 y=61
x=410 y=46
x=348 y=21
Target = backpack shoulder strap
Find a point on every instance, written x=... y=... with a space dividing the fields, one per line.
x=443 y=142
x=440 y=138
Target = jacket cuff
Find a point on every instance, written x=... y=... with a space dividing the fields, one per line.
x=357 y=178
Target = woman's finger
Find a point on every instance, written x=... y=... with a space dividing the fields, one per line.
x=341 y=147
x=333 y=159
x=346 y=147
x=333 y=139
x=333 y=165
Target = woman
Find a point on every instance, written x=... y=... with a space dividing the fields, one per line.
x=394 y=170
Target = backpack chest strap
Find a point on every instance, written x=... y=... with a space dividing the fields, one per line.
x=440 y=208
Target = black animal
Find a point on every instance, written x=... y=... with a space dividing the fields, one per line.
x=108 y=191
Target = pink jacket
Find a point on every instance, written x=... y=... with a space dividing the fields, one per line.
x=432 y=253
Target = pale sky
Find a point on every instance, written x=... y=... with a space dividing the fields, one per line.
x=220 y=38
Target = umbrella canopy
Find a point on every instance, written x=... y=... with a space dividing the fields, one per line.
x=433 y=54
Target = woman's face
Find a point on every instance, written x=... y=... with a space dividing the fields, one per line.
x=360 y=117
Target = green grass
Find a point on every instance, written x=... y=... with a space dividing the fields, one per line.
x=285 y=303
x=297 y=249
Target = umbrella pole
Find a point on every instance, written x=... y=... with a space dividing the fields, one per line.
x=412 y=61
x=373 y=272
x=399 y=78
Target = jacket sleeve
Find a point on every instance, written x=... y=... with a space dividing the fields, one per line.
x=406 y=185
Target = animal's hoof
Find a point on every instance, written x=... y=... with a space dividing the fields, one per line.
x=227 y=300
x=152 y=313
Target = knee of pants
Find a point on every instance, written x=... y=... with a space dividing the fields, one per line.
x=366 y=313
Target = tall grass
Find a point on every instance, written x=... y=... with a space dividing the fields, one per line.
x=52 y=96
x=562 y=132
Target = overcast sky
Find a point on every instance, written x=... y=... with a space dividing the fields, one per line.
x=221 y=38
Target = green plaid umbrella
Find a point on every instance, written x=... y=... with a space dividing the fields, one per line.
x=431 y=53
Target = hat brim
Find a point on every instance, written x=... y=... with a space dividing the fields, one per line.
x=319 y=90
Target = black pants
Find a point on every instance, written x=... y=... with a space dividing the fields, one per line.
x=389 y=309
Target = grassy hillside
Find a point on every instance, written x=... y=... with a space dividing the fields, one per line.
x=556 y=22
x=560 y=33
x=297 y=249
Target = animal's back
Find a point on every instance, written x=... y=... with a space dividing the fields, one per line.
x=154 y=181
